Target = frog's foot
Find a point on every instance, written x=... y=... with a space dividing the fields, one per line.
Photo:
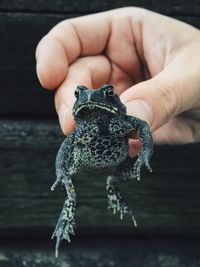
x=142 y=160
x=116 y=201
x=65 y=224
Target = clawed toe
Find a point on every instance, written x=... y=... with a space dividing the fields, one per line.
x=134 y=220
x=137 y=169
x=122 y=208
x=55 y=184
x=138 y=165
x=148 y=166
x=66 y=223
x=62 y=231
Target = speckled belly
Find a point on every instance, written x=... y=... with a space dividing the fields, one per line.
x=104 y=153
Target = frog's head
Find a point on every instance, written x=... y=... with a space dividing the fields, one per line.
x=102 y=100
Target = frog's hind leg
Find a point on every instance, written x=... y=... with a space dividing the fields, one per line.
x=115 y=199
x=66 y=221
x=67 y=164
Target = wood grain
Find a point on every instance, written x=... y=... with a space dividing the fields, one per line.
x=166 y=201
x=170 y=7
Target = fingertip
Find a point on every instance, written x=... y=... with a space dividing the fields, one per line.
x=52 y=63
x=66 y=119
x=135 y=147
x=51 y=75
x=144 y=100
x=140 y=109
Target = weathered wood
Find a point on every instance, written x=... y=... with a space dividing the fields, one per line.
x=102 y=251
x=180 y=7
x=19 y=89
x=166 y=201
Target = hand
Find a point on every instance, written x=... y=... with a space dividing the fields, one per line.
x=153 y=62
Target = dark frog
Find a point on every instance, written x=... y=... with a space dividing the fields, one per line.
x=99 y=142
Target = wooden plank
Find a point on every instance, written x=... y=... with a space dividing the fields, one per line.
x=21 y=94
x=20 y=91
x=102 y=251
x=166 y=201
x=170 y=7
x=30 y=104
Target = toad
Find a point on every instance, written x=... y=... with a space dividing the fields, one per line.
x=99 y=142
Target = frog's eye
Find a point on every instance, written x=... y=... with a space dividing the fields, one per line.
x=109 y=92
x=76 y=93
x=81 y=87
x=79 y=90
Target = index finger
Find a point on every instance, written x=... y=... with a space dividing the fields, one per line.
x=66 y=42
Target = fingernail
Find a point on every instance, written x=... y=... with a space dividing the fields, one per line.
x=63 y=113
x=140 y=109
x=66 y=119
x=38 y=71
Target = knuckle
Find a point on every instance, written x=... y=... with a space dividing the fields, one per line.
x=169 y=100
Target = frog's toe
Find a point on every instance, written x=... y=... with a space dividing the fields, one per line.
x=66 y=222
x=137 y=168
x=124 y=209
x=58 y=240
x=134 y=220
x=59 y=236
x=55 y=184
x=117 y=204
x=148 y=166
x=62 y=231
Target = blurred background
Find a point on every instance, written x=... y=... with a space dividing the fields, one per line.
x=166 y=203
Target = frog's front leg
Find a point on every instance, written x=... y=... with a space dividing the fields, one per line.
x=145 y=136
x=122 y=126
x=67 y=164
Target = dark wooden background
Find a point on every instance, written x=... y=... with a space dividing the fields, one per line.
x=166 y=202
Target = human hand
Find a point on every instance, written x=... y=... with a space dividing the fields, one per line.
x=153 y=62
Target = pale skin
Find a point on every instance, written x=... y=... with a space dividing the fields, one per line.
x=153 y=62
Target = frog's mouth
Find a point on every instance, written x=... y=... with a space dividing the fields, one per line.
x=93 y=105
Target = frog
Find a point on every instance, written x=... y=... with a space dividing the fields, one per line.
x=99 y=142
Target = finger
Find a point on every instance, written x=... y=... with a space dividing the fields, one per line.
x=91 y=72
x=66 y=42
x=135 y=147
x=52 y=63
x=108 y=32
x=179 y=130
x=174 y=90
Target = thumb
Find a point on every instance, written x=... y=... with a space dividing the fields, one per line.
x=159 y=99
